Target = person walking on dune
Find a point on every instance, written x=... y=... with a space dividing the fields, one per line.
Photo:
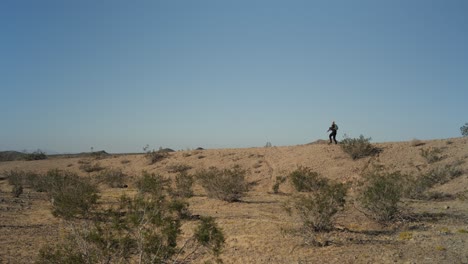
x=333 y=130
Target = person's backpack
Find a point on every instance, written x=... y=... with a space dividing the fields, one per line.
x=336 y=127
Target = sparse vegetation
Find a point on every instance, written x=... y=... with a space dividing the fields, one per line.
x=381 y=193
x=154 y=222
x=36 y=155
x=227 y=184
x=89 y=167
x=279 y=180
x=304 y=179
x=146 y=232
x=358 y=147
x=416 y=143
x=210 y=235
x=154 y=156
x=72 y=196
x=416 y=187
x=26 y=179
x=99 y=154
x=142 y=229
x=153 y=184
x=318 y=208
x=176 y=168
x=432 y=154
x=184 y=185
x=114 y=178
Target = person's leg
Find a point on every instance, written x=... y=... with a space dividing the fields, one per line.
x=330 y=136
x=334 y=137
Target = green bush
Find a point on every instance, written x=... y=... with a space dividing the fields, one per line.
x=27 y=179
x=155 y=156
x=416 y=187
x=72 y=196
x=184 y=185
x=36 y=155
x=114 y=178
x=65 y=253
x=358 y=147
x=177 y=168
x=210 y=235
x=88 y=167
x=279 y=180
x=140 y=230
x=317 y=209
x=227 y=184
x=304 y=179
x=153 y=184
x=432 y=154
x=15 y=177
x=381 y=194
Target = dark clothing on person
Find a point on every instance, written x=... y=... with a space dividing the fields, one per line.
x=333 y=129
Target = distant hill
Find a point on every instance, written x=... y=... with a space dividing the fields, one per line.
x=11 y=155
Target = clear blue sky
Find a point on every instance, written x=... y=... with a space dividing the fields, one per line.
x=117 y=75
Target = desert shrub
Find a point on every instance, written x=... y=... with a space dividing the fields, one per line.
x=155 y=156
x=18 y=179
x=152 y=184
x=381 y=194
x=180 y=207
x=176 y=168
x=88 y=167
x=140 y=229
x=432 y=154
x=227 y=184
x=317 y=209
x=416 y=143
x=15 y=177
x=304 y=179
x=358 y=147
x=28 y=179
x=36 y=155
x=64 y=253
x=114 y=178
x=464 y=130
x=99 y=154
x=184 y=185
x=71 y=195
x=278 y=181
x=417 y=186
x=210 y=235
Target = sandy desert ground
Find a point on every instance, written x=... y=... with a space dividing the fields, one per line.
x=258 y=229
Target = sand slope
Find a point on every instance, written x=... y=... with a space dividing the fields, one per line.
x=258 y=229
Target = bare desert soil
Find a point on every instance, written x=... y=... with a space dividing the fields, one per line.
x=258 y=229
